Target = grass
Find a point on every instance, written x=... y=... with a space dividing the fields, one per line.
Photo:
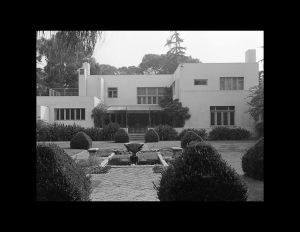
x=231 y=151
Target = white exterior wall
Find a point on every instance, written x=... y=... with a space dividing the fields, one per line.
x=70 y=102
x=126 y=84
x=199 y=98
x=42 y=112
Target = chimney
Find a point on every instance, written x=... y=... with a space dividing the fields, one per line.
x=86 y=66
x=250 y=56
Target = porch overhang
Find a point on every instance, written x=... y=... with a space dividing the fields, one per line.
x=134 y=109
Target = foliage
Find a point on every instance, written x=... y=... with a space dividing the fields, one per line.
x=130 y=70
x=229 y=133
x=99 y=114
x=158 y=168
x=256 y=109
x=166 y=132
x=167 y=97
x=95 y=133
x=259 y=128
x=253 y=161
x=58 y=177
x=151 y=136
x=121 y=136
x=61 y=132
x=200 y=174
x=188 y=137
x=81 y=141
x=202 y=133
x=152 y=63
x=109 y=131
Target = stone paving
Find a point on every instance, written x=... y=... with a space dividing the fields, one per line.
x=126 y=184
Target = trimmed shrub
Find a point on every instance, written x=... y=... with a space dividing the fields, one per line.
x=121 y=136
x=259 y=129
x=202 y=133
x=188 y=137
x=200 y=174
x=166 y=132
x=151 y=136
x=229 y=133
x=109 y=131
x=253 y=161
x=81 y=141
x=95 y=133
x=58 y=177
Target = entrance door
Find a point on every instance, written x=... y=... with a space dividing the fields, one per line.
x=138 y=122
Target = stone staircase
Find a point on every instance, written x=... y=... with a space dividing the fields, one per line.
x=136 y=137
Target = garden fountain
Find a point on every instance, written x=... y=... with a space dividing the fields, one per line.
x=134 y=148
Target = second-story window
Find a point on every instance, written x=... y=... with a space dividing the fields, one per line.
x=200 y=81
x=149 y=95
x=112 y=92
x=231 y=83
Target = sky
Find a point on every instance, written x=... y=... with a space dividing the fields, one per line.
x=127 y=48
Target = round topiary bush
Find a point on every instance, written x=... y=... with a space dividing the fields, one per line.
x=253 y=161
x=200 y=174
x=81 y=141
x=151 y=136
x=58 y=177
x=259 y=129
x=201 y=132
x=121 y=136
x=188 y=137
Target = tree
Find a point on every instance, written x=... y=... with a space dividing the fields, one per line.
x=256 y=103
x=176 y=52
x=131 y=70
x=152 y=63
x=174 y=109
x=99 y=114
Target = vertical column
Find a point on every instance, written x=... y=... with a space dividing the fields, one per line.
x=122 y=119
x=149 y=118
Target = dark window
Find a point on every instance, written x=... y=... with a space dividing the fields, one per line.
x=112 y=92
x=241 y=83
x=67 y=114
x=62 y=115
x=200 y=81
x=225 y=118
x=222 y=107
x=149 y=100
x=222 y=83
x=139 y=100
x=57 y=114
x=219 y=118
x=144 y=100
x=212 y=108
x=231 y=107
x=82 y=114
x=212 y=118
x=234 y=85
x=231 y=118
x=154 y=100
x=72 y=114
x=78 y=114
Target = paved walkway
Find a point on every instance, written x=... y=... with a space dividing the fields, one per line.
x=126 y=184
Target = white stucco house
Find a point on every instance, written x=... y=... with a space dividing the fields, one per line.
x=214 y=92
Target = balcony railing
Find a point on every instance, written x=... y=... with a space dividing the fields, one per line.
x=64 y=92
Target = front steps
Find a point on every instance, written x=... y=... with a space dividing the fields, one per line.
x=136 y=137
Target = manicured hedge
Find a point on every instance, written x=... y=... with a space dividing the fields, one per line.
x=58 y=177
x=201 y=132
x=200 y=174
x=61 y=132
x=151 y=136
x=166 y=132
x=81 y=141
x=229 y=133
x=121 y=136
x=253 y=161
x=188 y=137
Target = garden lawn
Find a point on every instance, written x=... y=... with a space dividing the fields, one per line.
x=231 y=151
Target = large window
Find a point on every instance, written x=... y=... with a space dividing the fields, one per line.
x=150 y=95
x=112 y=92
x=222 y=115
x=231 y=83
x=69 y=114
